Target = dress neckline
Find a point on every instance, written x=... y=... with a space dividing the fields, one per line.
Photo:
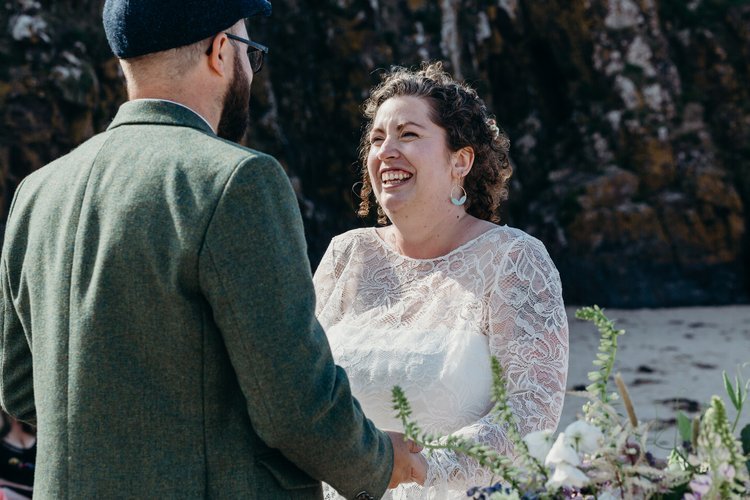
x=464 y=246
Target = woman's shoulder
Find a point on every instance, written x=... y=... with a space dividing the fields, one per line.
x=504 y=238
x=513 y=249
x=348 y=242
x=353 y=236
x=519 y=252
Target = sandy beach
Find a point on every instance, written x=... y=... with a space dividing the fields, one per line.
x=670 y=359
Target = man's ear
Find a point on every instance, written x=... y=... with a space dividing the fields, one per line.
x=220 y=55
x=463 y=160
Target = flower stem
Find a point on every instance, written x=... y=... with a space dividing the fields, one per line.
x=625 y=395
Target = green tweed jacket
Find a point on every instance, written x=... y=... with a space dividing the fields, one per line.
x=158 y=325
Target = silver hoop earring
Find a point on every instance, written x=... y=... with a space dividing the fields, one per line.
x=460 y=200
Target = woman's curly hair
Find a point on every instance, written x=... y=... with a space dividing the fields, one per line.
x=457 y=109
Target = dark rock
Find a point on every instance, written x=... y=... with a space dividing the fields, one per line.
x=681 y=404
x=704 y=366
x=644 y=381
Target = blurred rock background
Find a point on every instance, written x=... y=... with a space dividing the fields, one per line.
x=629 y=120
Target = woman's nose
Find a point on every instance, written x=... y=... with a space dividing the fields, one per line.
x=388 y=149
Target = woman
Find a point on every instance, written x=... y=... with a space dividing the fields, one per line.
x=424 y=300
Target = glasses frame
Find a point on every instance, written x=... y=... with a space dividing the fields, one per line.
x=251 y=47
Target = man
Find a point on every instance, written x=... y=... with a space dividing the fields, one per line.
x=157 y=317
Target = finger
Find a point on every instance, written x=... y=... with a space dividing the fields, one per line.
x=419 y=470
x=418 y=479
x=400 y=475
x=418 y=476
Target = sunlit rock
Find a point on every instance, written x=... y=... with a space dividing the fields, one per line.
x=622 y=14
x=31 y=28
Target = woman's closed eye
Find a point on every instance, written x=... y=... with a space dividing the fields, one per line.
x=376 y=140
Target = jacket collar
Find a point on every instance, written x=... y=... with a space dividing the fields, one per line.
x=158 y=112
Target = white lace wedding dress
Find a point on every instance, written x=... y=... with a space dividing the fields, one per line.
x=431 y=325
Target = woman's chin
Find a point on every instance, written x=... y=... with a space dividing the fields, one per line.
x=393 y=207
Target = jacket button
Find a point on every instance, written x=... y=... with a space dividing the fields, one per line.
x=363 y=495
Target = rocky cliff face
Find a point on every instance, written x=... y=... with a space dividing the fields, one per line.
x=629 y=119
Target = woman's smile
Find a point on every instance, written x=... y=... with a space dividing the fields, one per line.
x=393 y=178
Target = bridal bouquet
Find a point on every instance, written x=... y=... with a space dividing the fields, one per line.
x=604 y=455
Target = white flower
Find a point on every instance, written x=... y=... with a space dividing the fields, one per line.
x=583 y=436
x=567 y=476
x=562 y=452
x=701 y=484
x=539 y=443
x=727 y=471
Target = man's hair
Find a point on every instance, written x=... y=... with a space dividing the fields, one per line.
x=171 y=63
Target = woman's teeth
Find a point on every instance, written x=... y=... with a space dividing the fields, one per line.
x=394 y=177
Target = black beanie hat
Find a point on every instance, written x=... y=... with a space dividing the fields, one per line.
x=139 y=27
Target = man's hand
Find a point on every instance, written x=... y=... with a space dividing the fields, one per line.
x=409 y=466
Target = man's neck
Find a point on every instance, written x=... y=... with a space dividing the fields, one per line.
x=179 y=104
x=201 y=106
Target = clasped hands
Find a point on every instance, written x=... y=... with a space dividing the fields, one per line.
x=409 y=466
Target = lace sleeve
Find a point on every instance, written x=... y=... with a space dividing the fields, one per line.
x=528 y=334
x=325 y=279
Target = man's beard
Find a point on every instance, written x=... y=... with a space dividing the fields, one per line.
x=235 y=115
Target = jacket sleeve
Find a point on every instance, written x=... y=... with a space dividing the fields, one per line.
x=256 y=276
x=528 y=335
x=16 y=374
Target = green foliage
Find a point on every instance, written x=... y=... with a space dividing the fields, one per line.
x=684 y=427
x=487 y=457
x=718 y=447
x=483 y=454
x=737 y=394
x=605 y=357
x=745 y=438
x=504 y=415
x=620 y=465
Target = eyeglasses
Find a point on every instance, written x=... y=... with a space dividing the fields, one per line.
x=255 y=51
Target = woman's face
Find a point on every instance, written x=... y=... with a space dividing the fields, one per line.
x=409 y=163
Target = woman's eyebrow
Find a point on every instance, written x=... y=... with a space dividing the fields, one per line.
x=400 y=126
x=415 y=124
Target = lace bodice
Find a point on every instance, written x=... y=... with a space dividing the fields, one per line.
x=430 y=326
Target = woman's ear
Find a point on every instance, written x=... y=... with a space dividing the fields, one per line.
x=463 y=160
